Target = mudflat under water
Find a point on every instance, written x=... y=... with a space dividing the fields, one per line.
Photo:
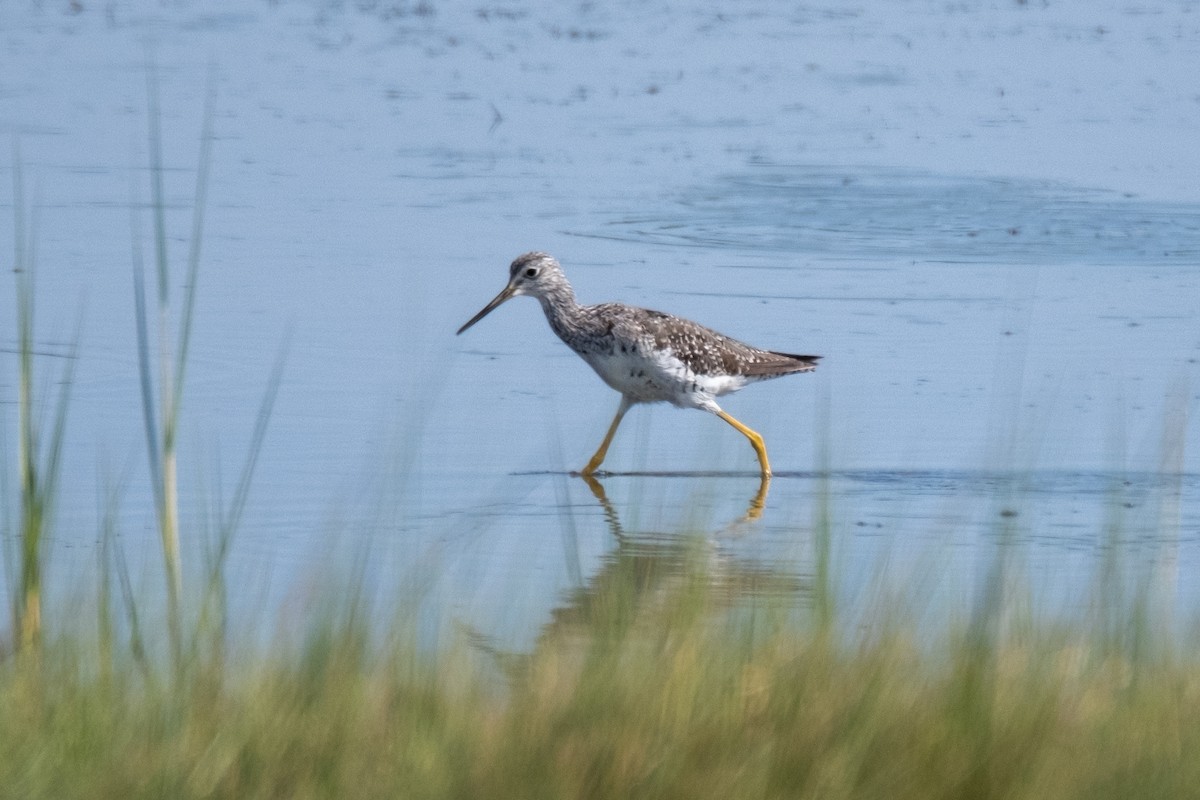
x=985 y=218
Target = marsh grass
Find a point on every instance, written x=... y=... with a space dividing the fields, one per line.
x=668 y=697
x=161 y=418
x=39 y=442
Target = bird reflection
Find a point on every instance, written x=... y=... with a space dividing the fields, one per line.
x=754 y=509
x=646 y=569
x=645 y=575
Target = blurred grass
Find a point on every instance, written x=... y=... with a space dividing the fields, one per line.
x=161 y=418
x=39 y=443
x=679 y=700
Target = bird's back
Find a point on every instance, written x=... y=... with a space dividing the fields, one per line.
x=703 y=350
x=650 y=356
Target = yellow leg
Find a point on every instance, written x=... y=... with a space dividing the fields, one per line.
x=598 y=459
x=757 y=441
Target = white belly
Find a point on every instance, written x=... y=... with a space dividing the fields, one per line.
x=662 y=378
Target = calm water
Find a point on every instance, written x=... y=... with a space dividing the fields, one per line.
x=987 y=220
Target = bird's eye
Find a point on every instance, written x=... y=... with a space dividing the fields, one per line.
x=531 y=272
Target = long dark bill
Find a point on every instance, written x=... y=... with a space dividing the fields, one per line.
x=497 y=300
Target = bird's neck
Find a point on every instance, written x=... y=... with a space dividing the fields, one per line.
x=564 y=314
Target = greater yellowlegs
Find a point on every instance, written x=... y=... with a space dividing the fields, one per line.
x=647 y=356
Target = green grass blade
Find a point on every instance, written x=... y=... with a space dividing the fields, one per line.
x=53 y=456
x=157 y=198
x=39 y=471
x=199 y=205
x=27 y=590
x=241 y=493
x=145 y=380
x=163 y=462
x=215 y=585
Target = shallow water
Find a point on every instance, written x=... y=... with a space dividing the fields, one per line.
x=986 y=220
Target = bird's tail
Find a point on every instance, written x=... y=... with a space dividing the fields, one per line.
x=807 y=362
x=780 y=364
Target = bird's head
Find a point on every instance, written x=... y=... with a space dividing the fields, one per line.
x=535 y=274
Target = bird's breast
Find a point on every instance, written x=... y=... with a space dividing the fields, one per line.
x=659 y=376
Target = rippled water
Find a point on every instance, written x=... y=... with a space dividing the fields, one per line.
x=877 y=212
x=986 y=220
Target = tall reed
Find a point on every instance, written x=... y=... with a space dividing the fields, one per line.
x=38 y=465
x=161 y=418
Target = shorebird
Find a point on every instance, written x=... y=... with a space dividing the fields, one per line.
x=647 y=356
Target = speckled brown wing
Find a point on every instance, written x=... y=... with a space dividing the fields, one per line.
x=708 y=352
